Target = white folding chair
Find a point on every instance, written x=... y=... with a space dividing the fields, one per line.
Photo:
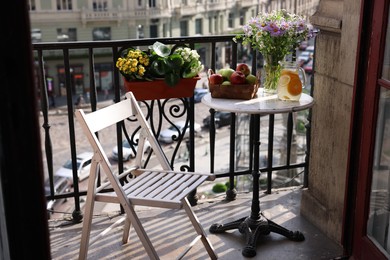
x=154 y=188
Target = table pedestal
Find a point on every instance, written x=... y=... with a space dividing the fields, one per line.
x=253 y=229
x=256 y=224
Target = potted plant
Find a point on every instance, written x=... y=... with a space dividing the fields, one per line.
x=161 y=72
x=275 y=35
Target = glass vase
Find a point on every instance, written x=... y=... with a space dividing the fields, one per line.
x=271 y=74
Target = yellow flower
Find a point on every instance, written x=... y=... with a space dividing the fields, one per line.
x=141 y=70
x=134 y=62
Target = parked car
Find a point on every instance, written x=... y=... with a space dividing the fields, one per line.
x=199 y=93
x=61 y=185
x=308 y=67
x=128 y=152
x=310 y=48
x=304 y=57
x=83 y=165
x=220 y=119
x=167 y=136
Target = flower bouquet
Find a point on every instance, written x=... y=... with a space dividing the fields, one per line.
x=274 y=35
x=160 y=72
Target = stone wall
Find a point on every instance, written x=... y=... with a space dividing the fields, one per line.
x=336 y=44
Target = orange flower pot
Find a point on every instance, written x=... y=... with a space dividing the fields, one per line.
x=158 y=89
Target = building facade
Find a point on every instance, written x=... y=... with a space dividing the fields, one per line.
x=102 y=20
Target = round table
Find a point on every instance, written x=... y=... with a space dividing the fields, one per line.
x=256 y=224
x=261 y=104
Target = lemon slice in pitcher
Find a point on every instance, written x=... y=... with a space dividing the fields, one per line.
x=284 y=80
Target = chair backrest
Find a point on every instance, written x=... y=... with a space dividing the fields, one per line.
x=118 y=113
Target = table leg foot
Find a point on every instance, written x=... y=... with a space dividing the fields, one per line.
x=249 y=251
x=220 y=228
x=231 y=194
x=292 y=235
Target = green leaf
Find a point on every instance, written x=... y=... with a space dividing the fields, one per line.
x=175 y=61
x=159 y=67
x=172 y=79
x=190 y=70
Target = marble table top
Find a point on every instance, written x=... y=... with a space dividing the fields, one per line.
x=260 y=104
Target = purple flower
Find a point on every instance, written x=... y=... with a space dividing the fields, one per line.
x=247 y=30
x=274 y=29
x=253 y=20
x=285 y=25
x=300 y=25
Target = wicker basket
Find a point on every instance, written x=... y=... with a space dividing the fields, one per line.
x=244 y=91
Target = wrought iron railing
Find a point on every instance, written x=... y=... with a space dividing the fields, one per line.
x=159 y=110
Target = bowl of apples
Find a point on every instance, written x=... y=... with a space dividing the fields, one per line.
x=233 y=84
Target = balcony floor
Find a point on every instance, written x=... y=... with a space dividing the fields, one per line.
x=169 y=230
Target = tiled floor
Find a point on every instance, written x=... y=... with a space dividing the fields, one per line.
x=170 y=231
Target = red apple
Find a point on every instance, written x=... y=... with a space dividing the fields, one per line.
x=215 y=79
x=243 y=68
x=237 y=78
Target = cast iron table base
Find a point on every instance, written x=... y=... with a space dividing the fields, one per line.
x=253 y=229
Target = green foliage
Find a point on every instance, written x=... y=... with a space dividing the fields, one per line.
x=300 y=126
x=227 y=184
x=219 y=188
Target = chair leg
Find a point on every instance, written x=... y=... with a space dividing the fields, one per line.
x=126 y=231
x=199 y=229
x=89 y=207
x=134 y=220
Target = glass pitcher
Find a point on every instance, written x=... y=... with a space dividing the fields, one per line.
x=290 y=84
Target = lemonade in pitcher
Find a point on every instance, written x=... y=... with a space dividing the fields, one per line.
x=290 y=85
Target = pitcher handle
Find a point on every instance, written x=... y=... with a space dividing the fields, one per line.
x=304 y=76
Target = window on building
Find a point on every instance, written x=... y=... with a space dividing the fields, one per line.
x=140 y=31
x=101 y=34
x=66 y=34
x=216 y=24
x=99 y=5
x=210 y=24
x=36 y=35
x=165 y=30
x=183 y=28
x=231 y=20
x=198 y=26
x=153 y=31
x=64 y=4
x=31 y=5
x=242 y=17
x=152 y=3
x=139 y=2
